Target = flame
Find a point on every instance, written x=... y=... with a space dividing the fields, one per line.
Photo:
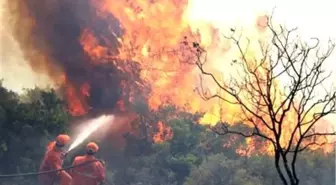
x=76 y=107
x=153 y=36
x=164 y=133
x=150 y=40
x=154 y=33
x=92 y=47
x=155 y=42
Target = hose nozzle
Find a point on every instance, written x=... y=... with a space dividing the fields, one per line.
x=64 y=154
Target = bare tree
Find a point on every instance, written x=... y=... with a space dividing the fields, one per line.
x=267 y=106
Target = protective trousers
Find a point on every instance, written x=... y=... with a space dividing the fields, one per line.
x=65 y=178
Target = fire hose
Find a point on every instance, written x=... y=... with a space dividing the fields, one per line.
x=49 y=171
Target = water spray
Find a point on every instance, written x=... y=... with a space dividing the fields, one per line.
x=91 y=127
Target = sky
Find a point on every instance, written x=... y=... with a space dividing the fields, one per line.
x=313 y=19
x=14 y=70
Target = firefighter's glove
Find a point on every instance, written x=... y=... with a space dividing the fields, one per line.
x=63 y=155
x=102 y=162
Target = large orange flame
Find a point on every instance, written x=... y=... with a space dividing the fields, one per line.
x=152 y=36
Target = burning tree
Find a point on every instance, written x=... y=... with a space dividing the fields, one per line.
x=285 y=116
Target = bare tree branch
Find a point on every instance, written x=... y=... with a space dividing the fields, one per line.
x=284 y=115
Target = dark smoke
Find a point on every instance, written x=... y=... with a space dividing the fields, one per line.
x=48 y=32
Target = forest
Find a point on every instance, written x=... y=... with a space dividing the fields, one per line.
x=163 y=73
x=193 y=155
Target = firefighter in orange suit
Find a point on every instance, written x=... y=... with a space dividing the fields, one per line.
x=91 y=173
x=53 y=160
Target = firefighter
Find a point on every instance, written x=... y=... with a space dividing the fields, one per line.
x=53 y=159
x=91 y=173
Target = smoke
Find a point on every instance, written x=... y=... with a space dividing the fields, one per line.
x=15 y=73
x=48 y=34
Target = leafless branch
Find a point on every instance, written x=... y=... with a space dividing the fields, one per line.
x=270 y=106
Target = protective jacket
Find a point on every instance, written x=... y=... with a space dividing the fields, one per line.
x=88 y=174
x=52 y=160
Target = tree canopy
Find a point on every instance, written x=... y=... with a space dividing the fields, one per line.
x=194 y=155
x=27 y=123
